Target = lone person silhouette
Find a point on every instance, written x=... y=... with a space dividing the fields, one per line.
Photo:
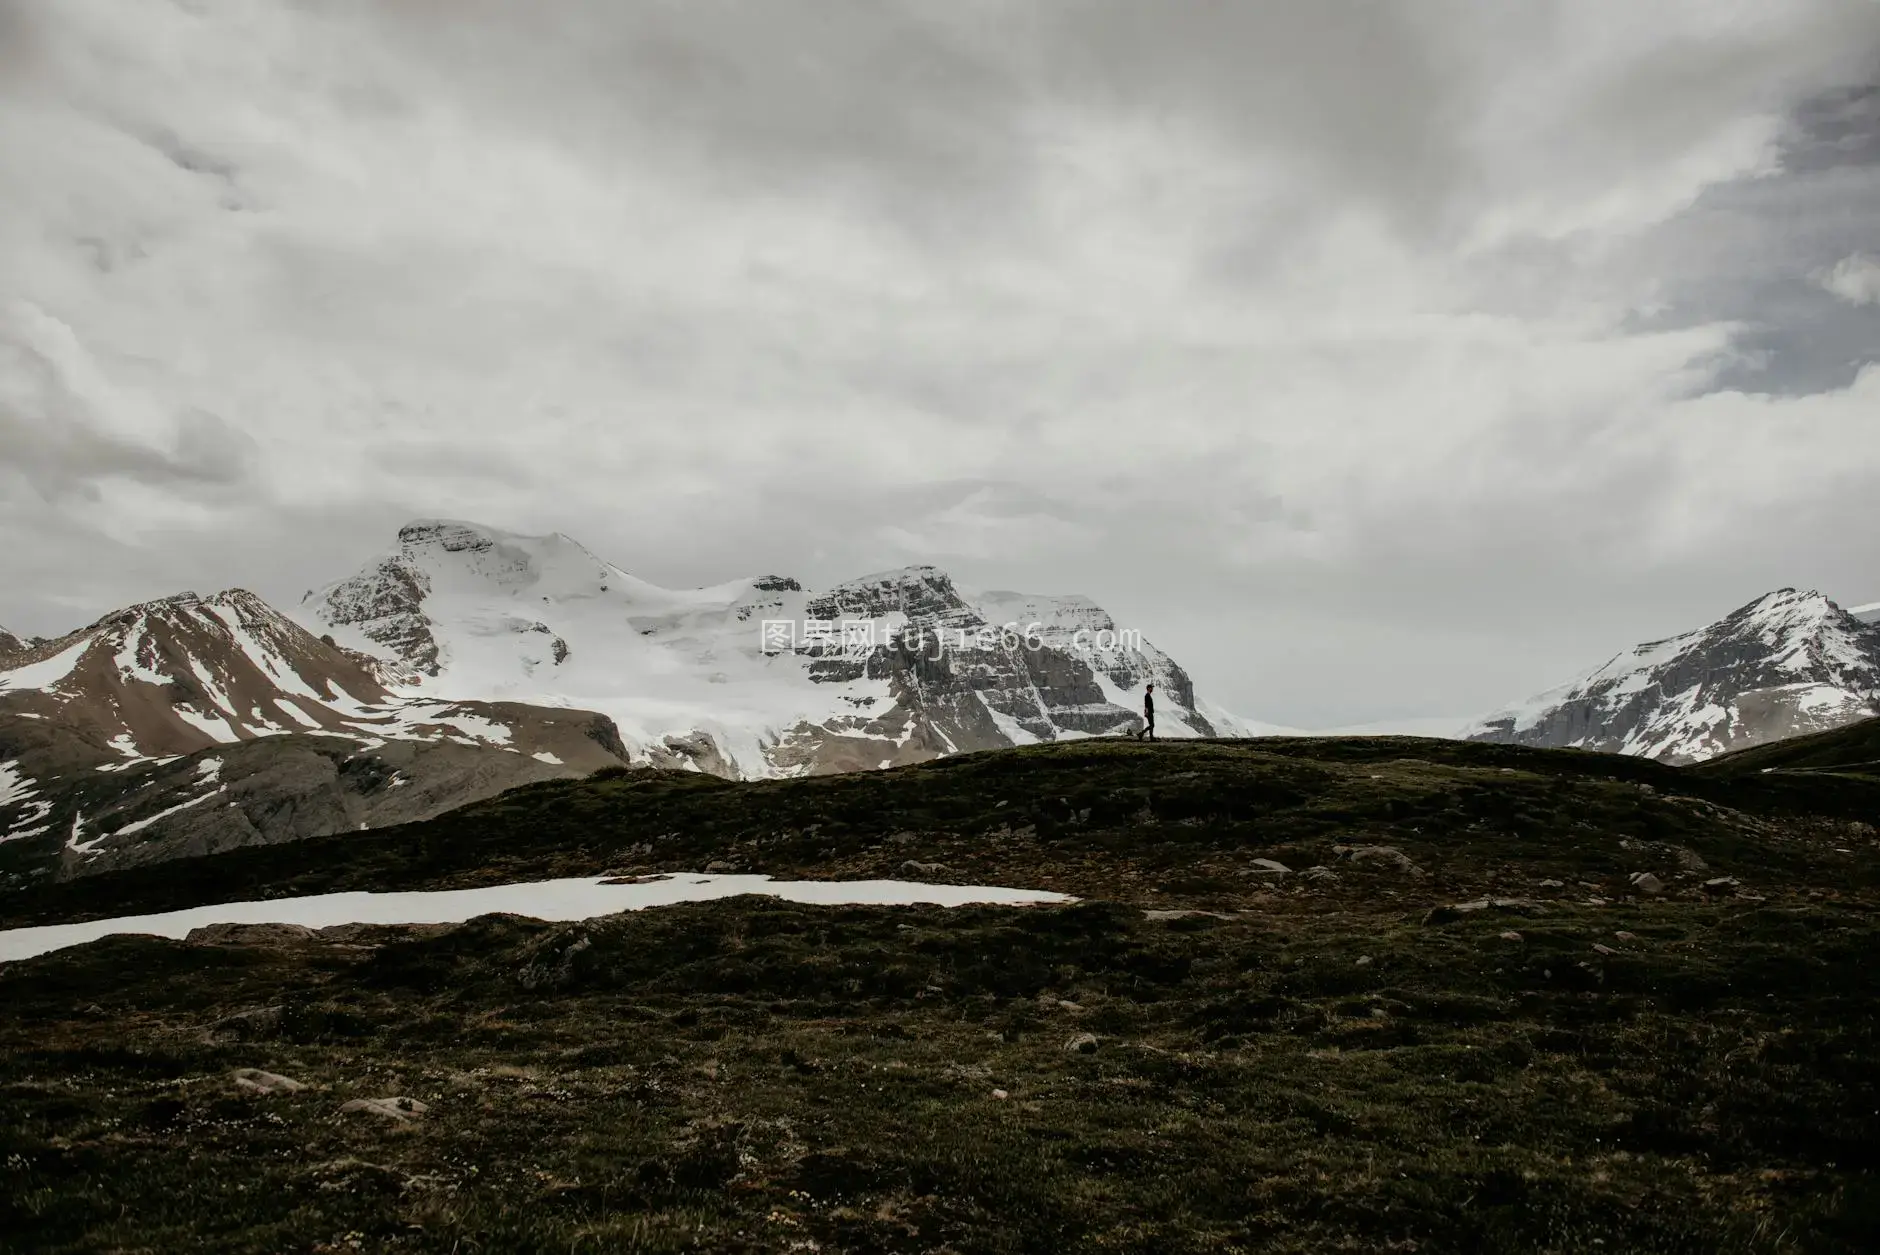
x=1148 y=714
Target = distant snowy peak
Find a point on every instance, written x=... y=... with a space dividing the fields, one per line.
x=1869 y=613
x=383 y=608
x=1785 y=664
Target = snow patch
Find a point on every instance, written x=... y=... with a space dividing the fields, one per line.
x=45 y=675
x=19 y=789
x=555 y=900
x=141 y=824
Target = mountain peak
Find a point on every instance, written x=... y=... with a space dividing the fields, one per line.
x=1789 y=662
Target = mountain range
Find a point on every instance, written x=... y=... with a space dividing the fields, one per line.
x=466 y=661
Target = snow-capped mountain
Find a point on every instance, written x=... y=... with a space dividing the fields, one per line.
x=1786 y=664
x=187 y=673
x=93 y=725
x=889 y=668
x=1869 y=613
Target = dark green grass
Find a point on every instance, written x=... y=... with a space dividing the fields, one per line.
x=1313 y=1064
x=745 y=1075
x=1066 y=812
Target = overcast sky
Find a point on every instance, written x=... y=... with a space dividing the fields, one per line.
x=1375 y=359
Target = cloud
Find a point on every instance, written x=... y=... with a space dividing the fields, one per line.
x=67 y=427
x=1855 y=279
x=1369 y=356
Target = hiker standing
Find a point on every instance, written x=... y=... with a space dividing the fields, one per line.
x=1148 y=714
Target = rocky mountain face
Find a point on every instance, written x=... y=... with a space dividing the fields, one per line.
x=196 y=723
x=906 y=666
x=1786 y=664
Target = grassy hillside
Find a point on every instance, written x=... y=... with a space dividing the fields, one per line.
x=1853 y=750
x=1204 y=1055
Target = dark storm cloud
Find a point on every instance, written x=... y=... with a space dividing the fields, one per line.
x=905 y=102
x=937 y=111
x=1753 y=252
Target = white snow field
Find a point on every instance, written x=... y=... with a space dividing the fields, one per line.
x=568 y=900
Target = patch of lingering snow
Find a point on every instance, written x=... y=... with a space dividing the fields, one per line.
x=47 y=674
x=475 y=729
x=126 y=745
x=294 y=712
x=141 y=824
x=555 y=900
x=76 y=842
x=213 y=690
x=1013 y=731
x=130 y=657
x=215 y=728
x=545 y=756
x=265 y=660
x=19 y=789
x=14 y=786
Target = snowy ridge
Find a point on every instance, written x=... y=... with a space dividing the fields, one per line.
x=1786 y=664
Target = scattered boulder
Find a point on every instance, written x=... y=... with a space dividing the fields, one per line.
x=1720 y=884
x=718 y=866
x=255 y=1081
x=401 y=1110
x=1364 y=960
x=1320 y=874
x=1647 y=883
x=1553 y=884
x=1446 y=914
x=1000 y=1094
x=1082 y=1044
x=1690 y=862
x=914 y=868
x=1622 y=935
x=1384 y=855
x=1511 y=935
x=1600 y=949
x=1266 y=867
